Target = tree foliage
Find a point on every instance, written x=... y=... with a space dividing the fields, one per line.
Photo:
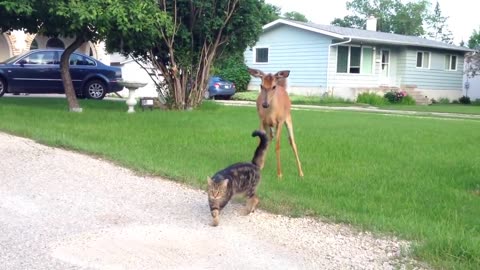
x=438 y=27
x=393 y=16
x=352 y=21
x=296 y=16
x=474 y=40
x=233 y=68
x=270 y=12
x=472 y=64
x=472 y=60
x=202 y=32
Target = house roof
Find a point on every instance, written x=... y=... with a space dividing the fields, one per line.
x=367 y=35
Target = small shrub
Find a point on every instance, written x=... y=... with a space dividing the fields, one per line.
x=233 y=69
x=434 y=101
x=444 y=100
x=395 y=97
x=408 y=100
x=455 y=102
x=464 y=100
x=371 y=98
x=476 y=102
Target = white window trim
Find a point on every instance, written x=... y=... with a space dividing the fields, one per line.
x=429 y=59
x=388 y=62
x=450 y=56
x=361 y=60
x=255 y=55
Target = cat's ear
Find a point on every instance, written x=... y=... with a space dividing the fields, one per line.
x=225 y=183
x=209 y=180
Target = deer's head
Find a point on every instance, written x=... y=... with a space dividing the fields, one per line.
x=269 y=83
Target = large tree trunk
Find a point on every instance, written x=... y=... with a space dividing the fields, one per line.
x=66 y=78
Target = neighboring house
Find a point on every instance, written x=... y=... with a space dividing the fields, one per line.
x=132 y=71
x=16 y=42
x=345 y=61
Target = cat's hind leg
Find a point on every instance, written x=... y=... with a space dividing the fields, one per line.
x=215 y=214
x=251 y=204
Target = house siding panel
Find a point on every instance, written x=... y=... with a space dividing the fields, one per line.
x=434 y=78
x=300 y=51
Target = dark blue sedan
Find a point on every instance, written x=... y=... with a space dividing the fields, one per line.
x=38 y=72
x=219 y=88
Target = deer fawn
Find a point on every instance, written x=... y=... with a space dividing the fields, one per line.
x=273 y=108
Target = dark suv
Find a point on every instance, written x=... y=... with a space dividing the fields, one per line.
x=38 y=72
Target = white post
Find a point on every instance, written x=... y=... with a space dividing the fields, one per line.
x=132 y=86
x=131 y=101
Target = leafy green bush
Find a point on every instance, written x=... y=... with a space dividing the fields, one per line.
x=444 y=100
x=408 y=100
x=401 y=97
x=233 y=69
x=371 y=98
x=464 y=100
x=476 y=102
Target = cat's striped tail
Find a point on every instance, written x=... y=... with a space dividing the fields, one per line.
x=261 y=148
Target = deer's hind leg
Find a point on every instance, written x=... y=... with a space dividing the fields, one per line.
x=278 y=132
x=291 y=139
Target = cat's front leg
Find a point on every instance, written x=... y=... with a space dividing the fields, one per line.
x=215 y=214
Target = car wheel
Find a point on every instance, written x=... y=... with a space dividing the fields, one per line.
x=3 y=87
x=95 y=89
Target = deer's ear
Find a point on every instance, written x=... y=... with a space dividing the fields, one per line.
x=256 y=73
x=282 y=74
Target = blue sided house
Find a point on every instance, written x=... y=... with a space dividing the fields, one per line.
x=344 y=61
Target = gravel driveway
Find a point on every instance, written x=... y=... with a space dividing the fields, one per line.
x=64 y=210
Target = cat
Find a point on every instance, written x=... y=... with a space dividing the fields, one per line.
x=238 y=178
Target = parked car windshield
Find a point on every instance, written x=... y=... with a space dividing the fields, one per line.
x=11 y=59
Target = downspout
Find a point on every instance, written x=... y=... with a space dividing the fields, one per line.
x=328 y=61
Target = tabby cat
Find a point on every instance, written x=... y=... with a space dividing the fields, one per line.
x=237 y=178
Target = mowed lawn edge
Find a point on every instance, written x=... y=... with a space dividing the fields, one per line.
x=327 y=101
x=412 y=177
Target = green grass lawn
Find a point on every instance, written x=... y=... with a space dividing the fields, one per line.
x=447 y=108
x=301 y=100
x=333 y=101
x=416 y=178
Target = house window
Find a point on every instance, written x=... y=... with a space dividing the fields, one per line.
x=342 y=59
x=261 y=55
x=385 y=63
x=450 y=62
x=354 y=59
x=423 y=60
x=367 y=60
x=355 y=55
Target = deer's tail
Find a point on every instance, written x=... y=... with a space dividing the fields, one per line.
x=261 y=148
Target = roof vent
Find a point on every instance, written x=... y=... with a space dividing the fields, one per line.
x=372 y=23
